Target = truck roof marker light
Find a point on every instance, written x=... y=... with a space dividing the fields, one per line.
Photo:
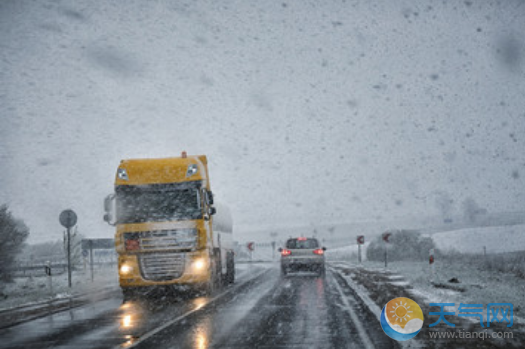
x=184 y=155
x=192 y=169
x=122 y=174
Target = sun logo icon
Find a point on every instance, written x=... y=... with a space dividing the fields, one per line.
x=402 y=319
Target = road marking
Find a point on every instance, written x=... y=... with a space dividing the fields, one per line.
x=132 y=343
x=357 y=322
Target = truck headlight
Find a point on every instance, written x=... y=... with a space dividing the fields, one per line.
x=199 y=265
x=125 y=269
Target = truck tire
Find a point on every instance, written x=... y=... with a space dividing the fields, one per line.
x=230 y=268
x=215 y=281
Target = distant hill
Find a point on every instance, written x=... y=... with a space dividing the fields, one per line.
x=509 y=238
x=499 y=232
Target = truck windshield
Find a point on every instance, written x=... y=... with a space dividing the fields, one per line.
x=157 y=203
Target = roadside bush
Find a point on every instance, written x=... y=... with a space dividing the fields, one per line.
x=13 y=233
x=404 y=245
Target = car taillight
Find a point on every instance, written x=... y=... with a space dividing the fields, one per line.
x=286 y=252
x=319 y=251
x=131 y=242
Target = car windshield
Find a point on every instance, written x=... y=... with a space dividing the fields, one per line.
x=302 y=244
x=383 y=140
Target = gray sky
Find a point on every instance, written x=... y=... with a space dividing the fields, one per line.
x=309 y=112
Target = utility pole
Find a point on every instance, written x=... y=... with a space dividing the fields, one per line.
x=69 y=257
x=386 y=236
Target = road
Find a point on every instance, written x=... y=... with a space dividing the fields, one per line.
x=262 y=310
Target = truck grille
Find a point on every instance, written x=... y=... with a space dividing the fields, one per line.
x=165 y=239
x=161 y=266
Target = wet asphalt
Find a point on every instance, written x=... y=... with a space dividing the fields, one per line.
x=262 y=310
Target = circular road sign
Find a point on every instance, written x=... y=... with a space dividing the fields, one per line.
x=68 y=218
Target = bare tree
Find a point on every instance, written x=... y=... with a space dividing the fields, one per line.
x=13 y=233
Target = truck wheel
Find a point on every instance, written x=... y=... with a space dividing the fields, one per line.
x=230 y=268
x=215 y=279
x=210 y=285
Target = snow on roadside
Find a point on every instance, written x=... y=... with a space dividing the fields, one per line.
x=474 y=285
x=34 y=290
x=374 y=307
x=376 y=285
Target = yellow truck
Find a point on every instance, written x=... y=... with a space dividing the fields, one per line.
x=168 y=230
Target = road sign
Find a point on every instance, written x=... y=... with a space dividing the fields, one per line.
x=386 y=236
x=68 y=218
x=251 y=246
x=361 y=239
x=85 y=253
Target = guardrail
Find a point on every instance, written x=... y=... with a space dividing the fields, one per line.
x=56 y=268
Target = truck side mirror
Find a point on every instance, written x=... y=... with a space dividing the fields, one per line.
x=107 y=202
x=108 y=209
x=212 y=211
x=209 y=197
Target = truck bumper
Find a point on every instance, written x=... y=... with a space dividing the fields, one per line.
x=154 y=269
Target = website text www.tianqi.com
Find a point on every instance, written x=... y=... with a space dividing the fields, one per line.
x=470 y=335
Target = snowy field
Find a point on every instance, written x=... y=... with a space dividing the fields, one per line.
x=35 y=289
x=474 y=240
